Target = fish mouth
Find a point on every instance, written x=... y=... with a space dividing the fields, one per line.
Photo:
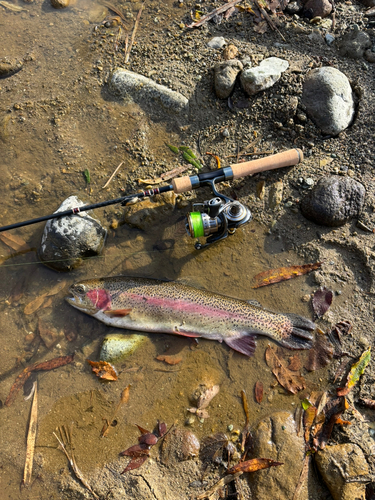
x=78 y=303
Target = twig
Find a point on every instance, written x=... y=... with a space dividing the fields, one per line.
x=302 y=478
x=268 y=19
x=114 y=9
x=112 y=176
x=63 y=430
x=270 y=152
x=127 y=54
x=31 y=437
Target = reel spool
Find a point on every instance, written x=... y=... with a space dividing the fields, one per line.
x=215 y=219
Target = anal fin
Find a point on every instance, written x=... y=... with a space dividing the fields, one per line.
x=245 y=345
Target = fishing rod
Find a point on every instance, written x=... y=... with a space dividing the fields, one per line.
x=216 y=218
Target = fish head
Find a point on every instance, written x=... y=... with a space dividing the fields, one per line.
x=89 y=296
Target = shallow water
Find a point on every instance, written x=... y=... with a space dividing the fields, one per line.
x=55 y=131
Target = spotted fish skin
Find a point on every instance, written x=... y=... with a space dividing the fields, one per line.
x=170 y=307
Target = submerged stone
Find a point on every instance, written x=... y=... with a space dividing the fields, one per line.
x=117 y=347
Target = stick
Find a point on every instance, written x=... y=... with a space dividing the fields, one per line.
x=268 y=19
x=31 y=437
x=112 y=176
x=71 y=458
x=209 y=16
x=134 y=32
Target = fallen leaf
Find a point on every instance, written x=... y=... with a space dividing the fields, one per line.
x=258 y=390
x=135 y=463
x=214 y=13
x=56 y=289
x=253 y=465
x=216 y=158
x=14 y=242
x=103 y=370
x=212 y=447
x=308 y=420
x=322 y=301
x=325 y=161
x=172 y=359
x=295 y=363
x=291 y=381
x=283 y=273
x=355 y=373
x=199 y=412
x=261 y=28
x=368 y=403
x=320 y=355
x=34 y=305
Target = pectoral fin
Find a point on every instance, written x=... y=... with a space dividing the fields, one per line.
x=117 y=313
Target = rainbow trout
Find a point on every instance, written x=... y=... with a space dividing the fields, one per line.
x=151 y=305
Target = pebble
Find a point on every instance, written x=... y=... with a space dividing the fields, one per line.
x=254 y=80
x=225 y=133
x=329 y=38
x=179 y=445
x=217 y=42
x=317 y=8
x=117 y=347
x=354 y=44
x=225 y=74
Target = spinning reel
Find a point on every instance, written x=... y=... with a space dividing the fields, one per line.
x=215 y=219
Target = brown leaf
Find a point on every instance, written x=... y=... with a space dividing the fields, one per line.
x=34 y=305
x=172 y=359
x=261 y=28
x=295 y=363
x=135 y=463
x=282 y=274
x=136 y=451
x=125 y=395
x=45 y=365
x=291 y=381
x=253 y=465
x=103 y=370
x=14 y=242
x=56 y=289
x=214 y=13
x=308 y=420
x=322 y=301
x=258 y=390
x=320 y=355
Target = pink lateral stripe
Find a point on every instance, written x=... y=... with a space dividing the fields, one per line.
x=184 y=306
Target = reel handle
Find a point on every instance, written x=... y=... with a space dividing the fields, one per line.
x=279 y=160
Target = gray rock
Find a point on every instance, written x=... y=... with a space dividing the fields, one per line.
x=217 y=42
x=314 y=8
x=225 y=74
x=293 y=8
x=145 y=92
x=68 y=240
x=369 y=56
x=329 y=38
x=265 y=75
x=333 y=201
x=340 y=461
x=276 y=437
x=354 y=44
x=328 y=98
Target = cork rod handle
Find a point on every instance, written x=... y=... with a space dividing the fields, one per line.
x=279 y=160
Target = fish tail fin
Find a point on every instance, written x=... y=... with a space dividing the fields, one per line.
x=300 y=335
x=245 y=345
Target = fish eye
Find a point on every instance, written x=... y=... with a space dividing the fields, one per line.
x=80 y=289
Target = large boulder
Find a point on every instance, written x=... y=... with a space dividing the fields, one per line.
x=329 y=99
